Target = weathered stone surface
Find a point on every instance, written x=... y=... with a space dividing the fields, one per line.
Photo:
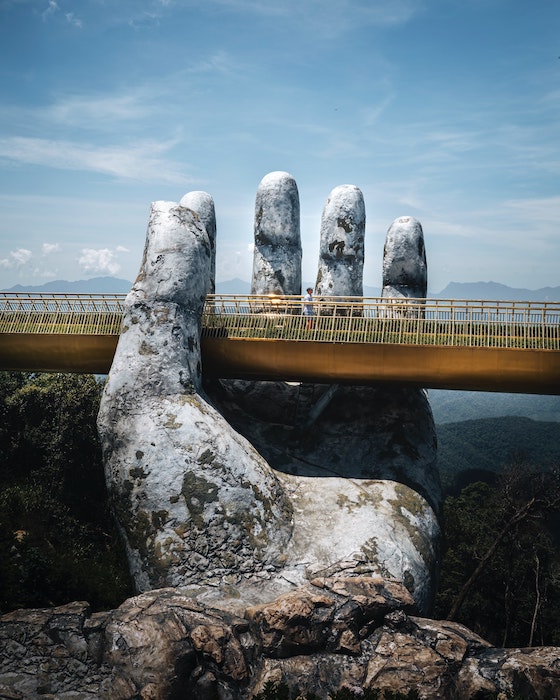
x=194 y=500
x=341 y=252
x=52 y=653
x=361 y=476
x=405 y=271
x=352 y=633
x=277 y=251
x=351 y=489
x=203 y=204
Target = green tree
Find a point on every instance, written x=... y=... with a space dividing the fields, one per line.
x=58 y=541
x=500 y=567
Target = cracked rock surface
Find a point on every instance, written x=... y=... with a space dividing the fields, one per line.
x=356 y=633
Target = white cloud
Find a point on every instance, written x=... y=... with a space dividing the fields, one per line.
x=49 y=248
x=141 y=162
x=537 y=209
x=73 y=20
x=51 y=9
x=100 y=261
x=45 y=273
x=78 y=110
x=338 y=13
x=219 y=62
x=145 y=20
x=16 y=258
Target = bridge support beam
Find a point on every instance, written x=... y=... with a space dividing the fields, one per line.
x=436 y=367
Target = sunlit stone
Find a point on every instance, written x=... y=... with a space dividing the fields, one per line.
x=341 y=253
x=203 y=204
x=405 y=272
x=277 y=252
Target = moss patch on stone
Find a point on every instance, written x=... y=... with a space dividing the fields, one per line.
x=197 y=492
x=171 y=422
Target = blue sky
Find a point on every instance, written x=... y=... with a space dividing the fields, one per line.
x=446 y=110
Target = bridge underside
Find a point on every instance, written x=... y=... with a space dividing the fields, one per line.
x=437 y=367
x=45 y=352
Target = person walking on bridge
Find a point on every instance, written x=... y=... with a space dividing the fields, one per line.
x=308 y=311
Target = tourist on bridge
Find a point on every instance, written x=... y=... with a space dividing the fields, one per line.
x=308 y=311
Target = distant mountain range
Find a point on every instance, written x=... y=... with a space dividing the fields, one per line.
x=492 y=291
x=96 y=285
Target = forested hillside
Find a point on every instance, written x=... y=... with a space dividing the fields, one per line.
x=469 y=447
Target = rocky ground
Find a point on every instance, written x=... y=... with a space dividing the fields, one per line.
x=332 y=633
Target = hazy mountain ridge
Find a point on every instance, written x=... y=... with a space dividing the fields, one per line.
x=454 y=290
x=494 y=291
x=95 y=285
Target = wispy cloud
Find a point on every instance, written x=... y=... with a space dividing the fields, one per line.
x=16 y=258
x=219 y=62
x=49 y=248
x=340 y=13
x=534 y=220
x=77 y=110
x=72 y=19
x=51 y=9
x=142 y=162
x=100 y=260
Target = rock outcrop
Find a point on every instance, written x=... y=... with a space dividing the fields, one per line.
x=341 y=251
x=357 y=633
x=277 y=251
x=405 y=271
x=230 y=485
x=194 y=500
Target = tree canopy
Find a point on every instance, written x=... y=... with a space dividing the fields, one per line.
x=58 y=541
x=501 y=568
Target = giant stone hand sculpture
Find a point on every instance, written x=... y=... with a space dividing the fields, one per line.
x=237 y=490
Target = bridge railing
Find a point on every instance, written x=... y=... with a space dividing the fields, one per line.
x=66 y=314
x=522 y=325
x=444 y=322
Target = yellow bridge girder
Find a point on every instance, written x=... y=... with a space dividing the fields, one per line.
x=472 y=345
x=437 y=367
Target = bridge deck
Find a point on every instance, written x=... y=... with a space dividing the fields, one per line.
x=491 y=346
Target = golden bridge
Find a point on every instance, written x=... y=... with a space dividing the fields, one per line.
x=431 y=343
